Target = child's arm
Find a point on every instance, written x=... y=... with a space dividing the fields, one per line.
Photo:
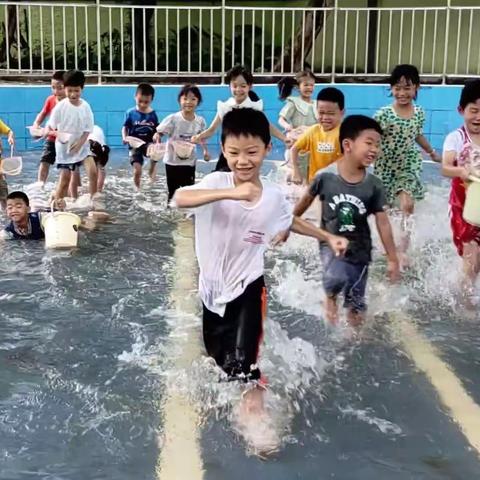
x=124 y=134
x=303 y=204
x=278 y=134
x=282 y=121
x=336 y=243
x=449 y=169
x=39 y=119
x=78 y=144
x=191 y=198
x=386 y=236
x=423 y=142
x=209 y=131
x=297 y=176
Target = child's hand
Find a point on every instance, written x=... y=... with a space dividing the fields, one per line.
x=157 y=138
x=289 y=142
x=247 y=191
x=75 y=148
x=435 y=156
x=465 y=173
x=280 y=238
x=196 y=139
x=296 y=176
x=11 y=138
x=393 y=270
x=338 y=244
x=206 y=156
x=124 y=141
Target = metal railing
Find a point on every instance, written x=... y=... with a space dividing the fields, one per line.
x=115 y=40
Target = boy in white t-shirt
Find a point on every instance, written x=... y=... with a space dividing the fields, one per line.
x=237 y=216
x=72 y=121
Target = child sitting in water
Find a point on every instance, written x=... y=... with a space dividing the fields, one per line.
x=237 y=215
x=320 y=141
x=141 y=122
x=24 y=224
x=461 y=159
x=348 y=198
x=5 y=130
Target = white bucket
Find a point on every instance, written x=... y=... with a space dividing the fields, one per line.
x=36 y=132
x=183 y=150
x=61 y=229
x=134 y=142
x=156 y=151
x=471 y=209
x=11 y=165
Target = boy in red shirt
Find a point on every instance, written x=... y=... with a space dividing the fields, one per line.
x=48 y=153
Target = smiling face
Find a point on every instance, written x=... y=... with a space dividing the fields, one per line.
x=404 y=91
x=239 y=88
x=471 y=116
x=188 y=103
x=245 y=156
x=329 y=114
x=17 y=210
x=363 y=150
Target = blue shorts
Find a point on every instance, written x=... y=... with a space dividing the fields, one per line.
x=343 y=277
x=136 y=154
x=69 y=166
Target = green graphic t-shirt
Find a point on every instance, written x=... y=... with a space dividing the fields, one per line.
x=345 y=210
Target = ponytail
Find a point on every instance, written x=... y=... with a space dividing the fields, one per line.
x=285 y=87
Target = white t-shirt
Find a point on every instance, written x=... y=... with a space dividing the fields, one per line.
x=97 y=135
x=224 y=107
x=77 y=120
x=231 y=238
x=467 y=152
x=178 y=128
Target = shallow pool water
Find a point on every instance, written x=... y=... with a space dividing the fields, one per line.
x=93 y=341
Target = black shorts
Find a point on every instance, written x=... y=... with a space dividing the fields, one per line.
x=48 y=152
x=136 y=154
x=179 y=176
x=234 y=339
x=69 y=166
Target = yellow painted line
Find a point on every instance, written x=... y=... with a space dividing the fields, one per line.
x=464 y=411
x=180 y=456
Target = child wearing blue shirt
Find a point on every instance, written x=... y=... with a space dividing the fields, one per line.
x=140 y=122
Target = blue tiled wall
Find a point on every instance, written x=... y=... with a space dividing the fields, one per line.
x=20 y=104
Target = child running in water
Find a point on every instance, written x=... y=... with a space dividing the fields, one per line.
x=320 y=141
x=237 y=215
x=141 y=122
x=48 y=153
x=461 y=159
x=180 y=127
x=73 y=117
x=5 y=130
x=348 y=198
x=399 y=164
x=240 y=81
x=299 y=112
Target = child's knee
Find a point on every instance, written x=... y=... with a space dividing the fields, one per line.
x=407 y=204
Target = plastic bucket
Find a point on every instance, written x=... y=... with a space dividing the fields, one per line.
x=471 y=209
x=61 y=229
x=134 y=142
x=11 y=165
x=36 y=132
x=183 y=149
x=156 y=151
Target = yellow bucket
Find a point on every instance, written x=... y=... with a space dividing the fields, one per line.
x=61 y=229
x=471 y=209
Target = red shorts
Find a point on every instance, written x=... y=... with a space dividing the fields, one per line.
x=462 y=231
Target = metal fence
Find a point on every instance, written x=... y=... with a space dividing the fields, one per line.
x=118 y=40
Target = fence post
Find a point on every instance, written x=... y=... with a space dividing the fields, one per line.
x=99 y=49
x=447 y=33
x=334 y=47
x=223 y=43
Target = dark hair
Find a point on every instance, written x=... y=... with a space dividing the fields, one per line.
x=74 y=78
x=58 y=75
x=332 y=94
x=238 y=70
x=253 y=96
x=287 y=84
x=470 y=93
x=190 y=88
x=246 y=122
x=354 y=125
x=409 y=72
x=145 y=89
x=19 y=195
